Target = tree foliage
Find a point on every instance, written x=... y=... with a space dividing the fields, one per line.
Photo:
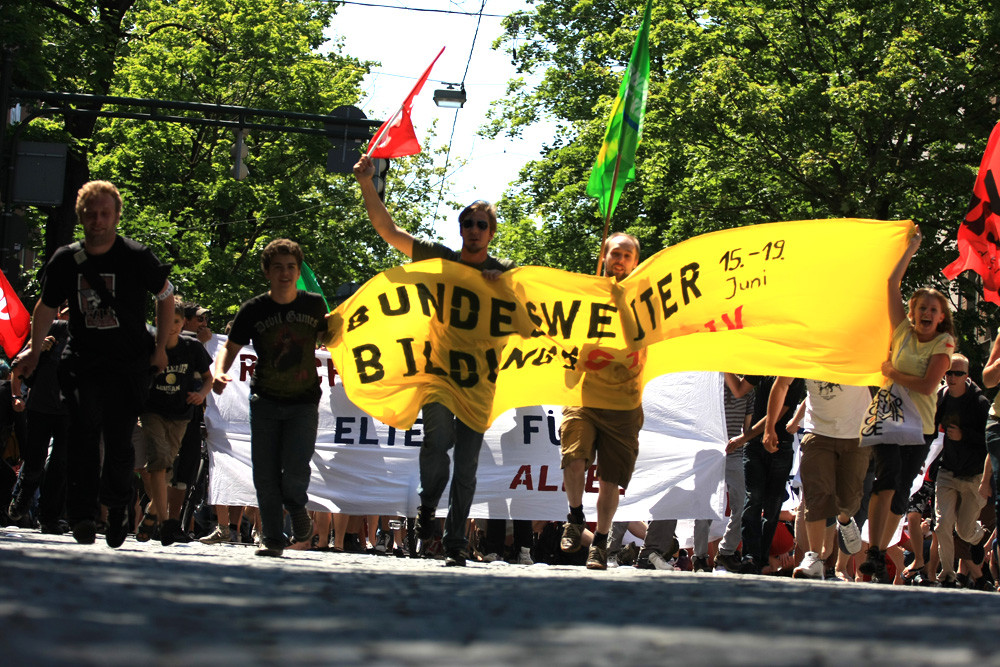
x=180 y=197
x=759 y=111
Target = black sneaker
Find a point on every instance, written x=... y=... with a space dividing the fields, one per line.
x=117 y=527
x=700 y=564
x=302 y=525
x=872 y=558
x=269 y=552
x=881 y=574
x=424 y=526
x=352 y=543
x=729 y=562
x=54 y=528
x=749 y=565
x=456 y=558
x=85 y=532
x=171 y=532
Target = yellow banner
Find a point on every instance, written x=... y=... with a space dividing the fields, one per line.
x=803 y=299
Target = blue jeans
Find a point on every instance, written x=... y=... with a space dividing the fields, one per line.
x=442 y=431
x=282 y=442
x=766 y=478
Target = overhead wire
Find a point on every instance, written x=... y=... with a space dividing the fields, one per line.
x=454 y=121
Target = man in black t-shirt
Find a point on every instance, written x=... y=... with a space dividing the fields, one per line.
x=105 y=370
x=284 y=324
x=442 y=430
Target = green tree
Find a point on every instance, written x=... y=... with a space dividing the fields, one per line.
x=762 y=110
x=180 y=197
x=68 y=46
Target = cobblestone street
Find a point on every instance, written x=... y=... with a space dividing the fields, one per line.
x=195 y=604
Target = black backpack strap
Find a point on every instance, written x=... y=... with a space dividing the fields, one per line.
x=85 y=267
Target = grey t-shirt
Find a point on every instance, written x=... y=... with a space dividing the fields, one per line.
x=429 y=250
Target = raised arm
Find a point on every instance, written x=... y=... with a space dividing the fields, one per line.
x=897 y=312
x=398 y=238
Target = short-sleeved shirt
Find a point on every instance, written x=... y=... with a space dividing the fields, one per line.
x=284 y=337
x=762 y=385
x=429 y=250
x=912 y=357
x=186 y=362
x=736 y=411
x=835 y=410
x=100 y=334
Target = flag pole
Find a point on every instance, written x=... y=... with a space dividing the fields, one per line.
x=607 y=216
x=382 y=130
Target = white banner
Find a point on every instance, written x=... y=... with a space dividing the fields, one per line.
x=362 y=466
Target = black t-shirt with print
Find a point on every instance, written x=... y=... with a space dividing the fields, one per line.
x=186 y=362
x=284 y=337
x=99 y=334
x=796 y=392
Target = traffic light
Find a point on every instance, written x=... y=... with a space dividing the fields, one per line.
x=381 y=170
x=239 y=152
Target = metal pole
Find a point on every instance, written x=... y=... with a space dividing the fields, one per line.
x=6 y=75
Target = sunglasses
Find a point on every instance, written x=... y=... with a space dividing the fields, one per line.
x=955 y=374
x=482 y=224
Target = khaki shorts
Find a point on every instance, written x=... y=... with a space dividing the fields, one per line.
x=162 y=439
x=610 y=436
x=833 y=475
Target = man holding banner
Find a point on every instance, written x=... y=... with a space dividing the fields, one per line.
x=442 y=429
x=610 y=436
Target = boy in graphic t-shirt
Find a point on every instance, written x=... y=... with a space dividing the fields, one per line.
x=285 y=325
x=184 y=383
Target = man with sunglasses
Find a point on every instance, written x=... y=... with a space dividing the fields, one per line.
x=963 y=479
x=442 y=430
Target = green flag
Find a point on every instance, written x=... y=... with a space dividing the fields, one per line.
x=308 y=282
x=624 y=126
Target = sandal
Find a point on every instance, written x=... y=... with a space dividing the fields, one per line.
x=144 y=532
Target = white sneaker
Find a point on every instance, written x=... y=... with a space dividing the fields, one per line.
x=811 y=567
x=659 y=562
x=491 y=557
x=218 y=536
x=850 y=537
x=524 y=557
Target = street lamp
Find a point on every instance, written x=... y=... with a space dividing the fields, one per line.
x=450 y=97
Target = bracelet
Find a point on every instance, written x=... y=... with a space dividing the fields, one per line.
x=167 y=291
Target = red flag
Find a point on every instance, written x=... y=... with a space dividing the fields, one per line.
x=15 y=322
x=979 y=233
x=396 y=137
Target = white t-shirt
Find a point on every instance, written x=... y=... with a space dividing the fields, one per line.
x=835 y=410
